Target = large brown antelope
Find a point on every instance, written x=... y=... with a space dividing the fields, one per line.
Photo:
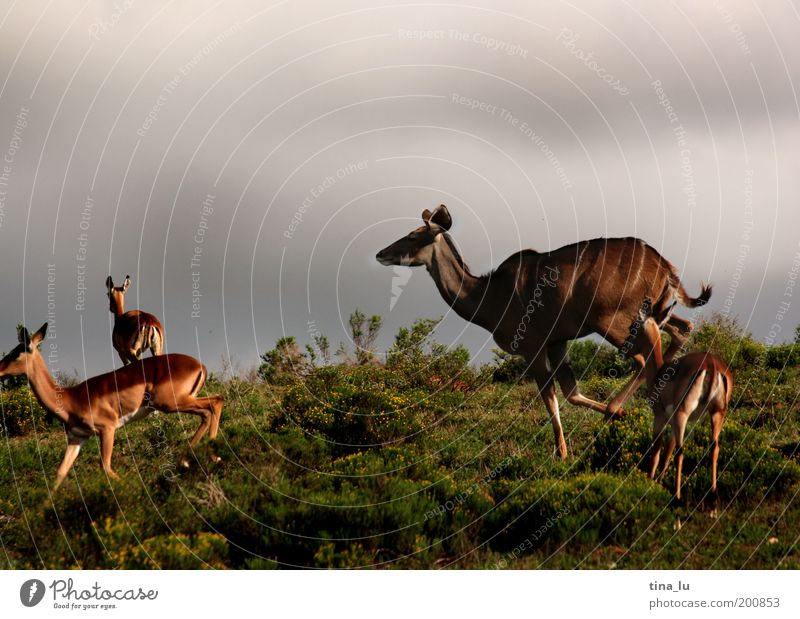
x=102 y=404
x=134 y=331
x=683 y=390
x=535 y=303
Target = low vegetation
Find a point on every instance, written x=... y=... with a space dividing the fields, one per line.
x=418 y=460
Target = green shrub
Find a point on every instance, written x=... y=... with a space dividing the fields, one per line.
x=725 y=337
x=589 y=508
x=175 y=551
x=426 y=363
x=22 y=413
x=787 y=355
x=590 y=358
x=355 y=407
x=284 y=364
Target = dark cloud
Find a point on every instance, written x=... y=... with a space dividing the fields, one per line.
x=163 y=133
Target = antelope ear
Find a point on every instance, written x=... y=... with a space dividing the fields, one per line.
x=37 y=337
x=441 y=217
x=426 y=215
x=126 y=284
x=109 y=283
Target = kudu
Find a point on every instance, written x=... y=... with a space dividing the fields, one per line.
x=134 y=331
x=102 y=404
x=535 y=303
x=684 y=390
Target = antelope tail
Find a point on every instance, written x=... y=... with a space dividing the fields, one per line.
x=683 y=296
x=154 y=342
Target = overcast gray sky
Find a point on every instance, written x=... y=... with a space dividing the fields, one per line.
x=136 y=135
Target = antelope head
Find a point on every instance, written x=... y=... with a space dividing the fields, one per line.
x=116 y=295
x=17 y=362
x=416 y=247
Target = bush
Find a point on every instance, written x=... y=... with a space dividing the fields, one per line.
x=285 y=363
x=22 y=413
x=174 y=551
x=369 y=509
x=355 y=407
x=590 y=358
x=725 y=337
x=590 y=509
x=426 y=363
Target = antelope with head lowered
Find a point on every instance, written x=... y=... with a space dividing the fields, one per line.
x=102 y=404
x=683 y=390
x=134 y=331
x=535 y=303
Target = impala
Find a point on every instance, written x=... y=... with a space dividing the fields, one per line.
x=134 y=331
x=684 y=390
x=535 y=303
x=102 y=404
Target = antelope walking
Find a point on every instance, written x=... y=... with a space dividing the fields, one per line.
x=102 y=404
x=134 y=331
x=535 y=303
x=683 y=390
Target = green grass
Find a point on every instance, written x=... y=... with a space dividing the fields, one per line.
x=475 y=486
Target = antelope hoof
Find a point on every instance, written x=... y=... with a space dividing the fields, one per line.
x=185 y=463
x=216 y=459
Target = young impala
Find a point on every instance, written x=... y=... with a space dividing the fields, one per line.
x=684 y=390
x=535 y=303
x=102 y=404
x=134 y=331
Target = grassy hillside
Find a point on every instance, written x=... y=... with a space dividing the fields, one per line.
x=423 y=462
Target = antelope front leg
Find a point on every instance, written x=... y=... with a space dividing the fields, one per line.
x=106 y=449
x=73 y=449
x=659 y=421
x=716 y=427
x=678 y=430
x=548 y=392
x=557 y=354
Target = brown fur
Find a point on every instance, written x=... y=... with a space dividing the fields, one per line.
x=167 y=383
x=677 y=396
x=134 y=331
x=534 y=303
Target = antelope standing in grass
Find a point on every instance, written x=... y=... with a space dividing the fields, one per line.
x=535 y=303
x=102 y=404
x=684 y=390
x=134 y=331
